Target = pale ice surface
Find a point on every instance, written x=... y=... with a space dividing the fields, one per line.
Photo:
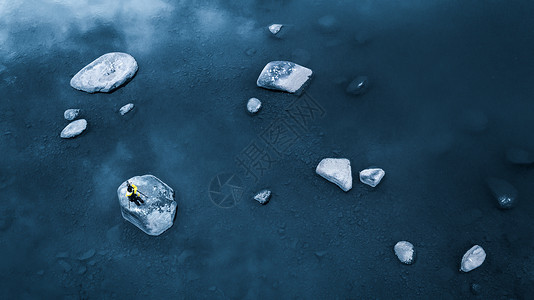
x=372 y=177
x=74 y=129
x=336 y=170
x=156 y=214
x=275 y=28
x=126 y=108
x=405 y=251
x=253 y=105
x=473 y=258
x=284 y=76
x=105 y=73
x=71 y=114
x=263 y=196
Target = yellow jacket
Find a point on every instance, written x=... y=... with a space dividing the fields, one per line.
x=128 y=194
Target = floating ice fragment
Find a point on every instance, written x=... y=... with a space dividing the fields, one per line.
x=105 y=73
x=156 y=214
x=372 y=176
x=358 y=86
x=504 y=192
x=473 y=259
x=253 y=105
x=74 y=129
x=519 y=156
x=263 y=196
x=284 y=76
x=405 y=252
x=126 y=108
x=71 y=114
x=336 y=170
x=275 y=28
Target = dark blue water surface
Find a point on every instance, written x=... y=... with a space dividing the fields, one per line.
x=451 y=89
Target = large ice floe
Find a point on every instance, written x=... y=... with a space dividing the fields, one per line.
x=156 y=214
x=284 y=76
x=105 y=73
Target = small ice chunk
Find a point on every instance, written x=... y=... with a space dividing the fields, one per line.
x=253 y=105
x=284 y=76
x=504 y=192
x=126 y=108
x=358 y=86
x=263 y=196
x=71 y=114
x=519 y=156
x=275 y=28
x=336 y=170
x=372 y=176
x=405 y=252
x=473 y=259
x=74 y=129
x=105 y=73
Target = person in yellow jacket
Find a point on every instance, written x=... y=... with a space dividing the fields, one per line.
x=133 y=195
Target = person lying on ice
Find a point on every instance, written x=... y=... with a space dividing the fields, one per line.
x=133 y=195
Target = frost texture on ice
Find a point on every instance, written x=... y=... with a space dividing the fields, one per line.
x=336 y=170
x=263 y=196
x=157 y=213
x=372 y=176
x=105 y=73
x=473 y=258
x=126 y=108
x=253 y=105
x=405 y=252
x=504 y=192
x=74 y=129
x=71 y=114
x=284 y=76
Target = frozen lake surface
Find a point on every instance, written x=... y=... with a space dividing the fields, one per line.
x=449 y=91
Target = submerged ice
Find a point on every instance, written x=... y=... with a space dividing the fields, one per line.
x=156 y=214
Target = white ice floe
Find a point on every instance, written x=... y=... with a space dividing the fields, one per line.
x=284 y=76
x=336 y=170
x=74 y=129
x=105 y=73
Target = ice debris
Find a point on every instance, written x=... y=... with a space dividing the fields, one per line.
x=74 y=129
x=358 y=86
x=253 y=105
x=284 y=76
x=405 y=251
x=473 y=258
x=263 y=196
x=336 y=170
x=105 y=73
x=126 y=108
x=519 y=156
x=504 y=192
x=275 y=28
x=71 y=114
x=157 y=212
x=372 y=176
